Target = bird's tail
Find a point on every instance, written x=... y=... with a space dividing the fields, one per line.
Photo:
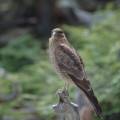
x=85 y=86
x=93 y=100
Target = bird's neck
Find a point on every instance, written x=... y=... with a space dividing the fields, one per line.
x=57 y=41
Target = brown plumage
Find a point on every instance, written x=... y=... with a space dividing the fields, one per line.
x=69 y=65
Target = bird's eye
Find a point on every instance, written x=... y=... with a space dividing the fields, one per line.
x=53 y=32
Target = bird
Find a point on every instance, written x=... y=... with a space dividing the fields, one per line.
x=69 y=65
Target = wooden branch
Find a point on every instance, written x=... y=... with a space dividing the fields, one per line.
x=65 y=109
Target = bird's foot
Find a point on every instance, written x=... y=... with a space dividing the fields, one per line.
x=63 y=95
x=62 y=91
x=59 y=91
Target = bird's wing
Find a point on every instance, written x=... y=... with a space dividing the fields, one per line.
x=71 y=64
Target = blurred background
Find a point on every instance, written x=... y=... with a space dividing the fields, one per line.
x=28 y=83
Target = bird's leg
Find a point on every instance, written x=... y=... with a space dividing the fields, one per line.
x=66 y=86
x=64 y=89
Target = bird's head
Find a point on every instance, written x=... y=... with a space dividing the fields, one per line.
x=57 y=32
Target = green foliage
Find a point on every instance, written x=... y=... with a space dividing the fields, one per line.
x=25 y=61
x=20 y=52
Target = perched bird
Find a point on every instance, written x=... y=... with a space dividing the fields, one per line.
x=69 y=65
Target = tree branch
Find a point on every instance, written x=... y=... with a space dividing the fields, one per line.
x=65 y=109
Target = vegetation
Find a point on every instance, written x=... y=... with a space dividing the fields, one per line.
x=25 y=61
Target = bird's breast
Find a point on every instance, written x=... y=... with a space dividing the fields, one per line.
x=61 y=73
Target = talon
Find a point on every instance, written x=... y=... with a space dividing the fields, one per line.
x=66 y=92
x=58 y=91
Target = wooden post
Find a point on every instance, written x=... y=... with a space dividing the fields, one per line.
x=65 y=109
